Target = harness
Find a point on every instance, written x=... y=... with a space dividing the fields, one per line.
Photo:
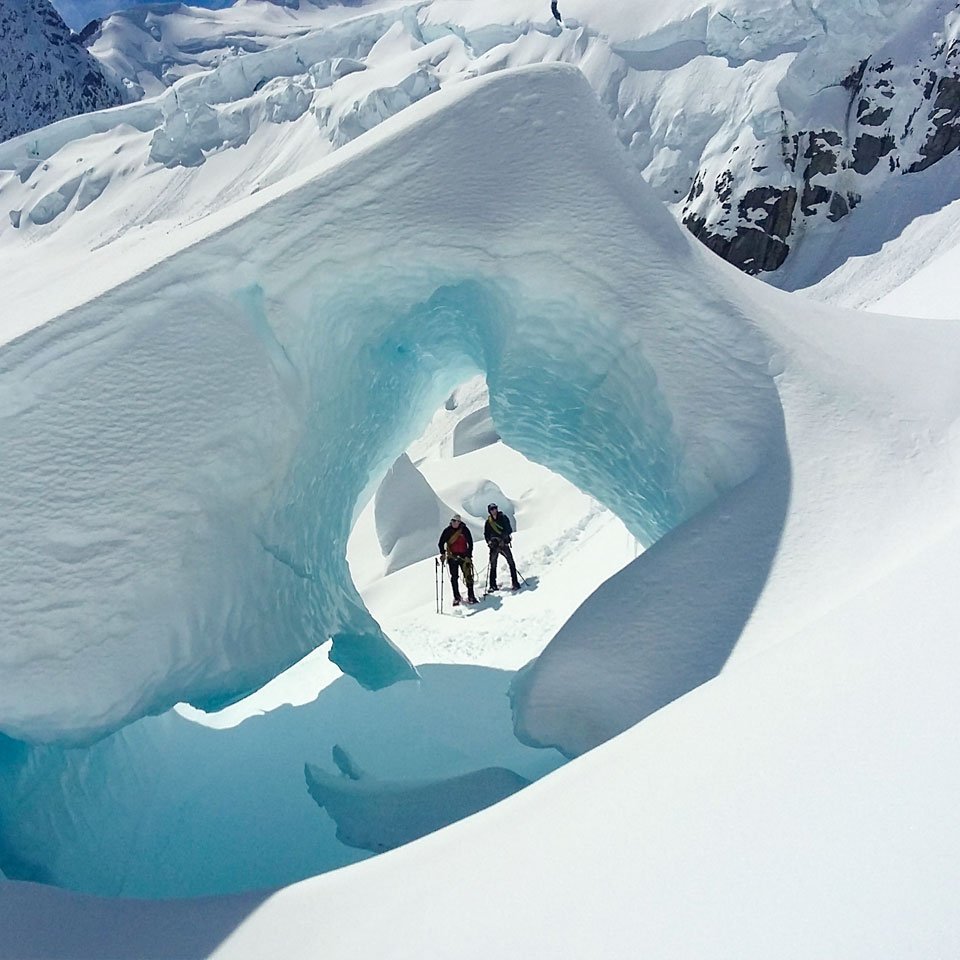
x=457 y=542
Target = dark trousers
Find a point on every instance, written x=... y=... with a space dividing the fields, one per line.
x=456 y=564
x=498 y=547
x=555 y=11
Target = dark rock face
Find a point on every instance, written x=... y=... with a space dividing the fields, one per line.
x=759 y=247
x=902 y=118
x=45 y=72
x=945 y=119
x=868 y=149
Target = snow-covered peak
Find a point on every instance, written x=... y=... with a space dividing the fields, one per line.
x=45 y=73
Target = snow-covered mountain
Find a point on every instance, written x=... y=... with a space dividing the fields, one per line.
x=759 y=126
x=869 y=94
x=45 y=72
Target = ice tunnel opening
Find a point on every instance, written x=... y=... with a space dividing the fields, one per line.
x=585 y=406
x=566 y=389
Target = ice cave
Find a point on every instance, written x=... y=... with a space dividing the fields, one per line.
x=194 y=444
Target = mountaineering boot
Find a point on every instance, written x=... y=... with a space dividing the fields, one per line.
x=516 y=586
x=456 y=601
x=470 y=597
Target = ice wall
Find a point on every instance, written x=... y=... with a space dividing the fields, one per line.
x=182 y=456
x=170 y=808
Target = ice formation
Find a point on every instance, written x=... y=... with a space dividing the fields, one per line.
x=198 y=494
x=474 y=432
x=170 y=808
x=379 y=815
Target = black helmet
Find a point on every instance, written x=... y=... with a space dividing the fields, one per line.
x=491 y=506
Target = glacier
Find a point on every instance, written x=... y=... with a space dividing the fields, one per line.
x=800 y=114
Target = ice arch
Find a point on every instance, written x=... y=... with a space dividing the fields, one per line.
x=182 y=455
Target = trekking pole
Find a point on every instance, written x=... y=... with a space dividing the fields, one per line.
x=519 y=574
x=436 y=583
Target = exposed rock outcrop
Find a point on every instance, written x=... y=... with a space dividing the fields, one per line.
x=46 y=74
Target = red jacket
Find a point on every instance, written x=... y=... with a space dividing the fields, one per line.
x=451 y=542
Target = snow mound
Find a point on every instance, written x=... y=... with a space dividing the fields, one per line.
x=380 y=815
x=408 y=516
x=636 y=644
x=195 y=498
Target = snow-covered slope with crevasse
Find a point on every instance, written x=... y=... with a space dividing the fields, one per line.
x=45 y=72
x=797 y=463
